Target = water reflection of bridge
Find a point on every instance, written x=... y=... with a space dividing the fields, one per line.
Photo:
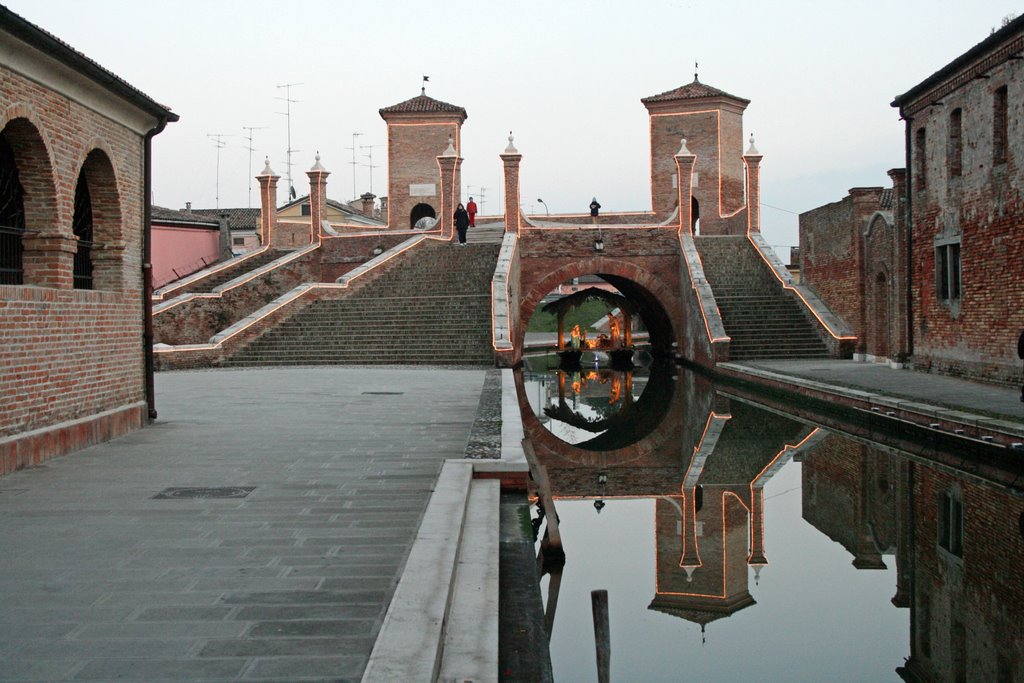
x=954 y=532
x=705 y=476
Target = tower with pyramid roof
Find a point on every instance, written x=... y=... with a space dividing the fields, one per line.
x=418 y=132
x=711 y=121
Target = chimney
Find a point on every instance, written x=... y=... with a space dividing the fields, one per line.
x=367 y=199
x=188 y=207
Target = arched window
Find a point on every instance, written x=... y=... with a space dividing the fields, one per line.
x=12 y=217
x=82 y=228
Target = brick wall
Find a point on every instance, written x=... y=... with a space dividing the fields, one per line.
x=714 y=133
x=976 y=335
x=413 y=149
x=643 y=262
x=852 y=253
x=72 y=361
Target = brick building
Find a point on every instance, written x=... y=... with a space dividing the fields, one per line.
x=945 y=292
x=418 y=132
x=75 y=159
x=965 y=143
x=853 y=254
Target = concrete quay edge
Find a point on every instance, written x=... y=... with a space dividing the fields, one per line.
x=945 y=419
x=442 y=622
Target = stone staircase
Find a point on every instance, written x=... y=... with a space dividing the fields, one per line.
x=763 y=319
x=432 y=307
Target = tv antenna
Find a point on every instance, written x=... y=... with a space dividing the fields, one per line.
x=251 y=150
x=218 y=140
x=288 y=117
x=482 y=194
x=354 y=163
x=370 y=165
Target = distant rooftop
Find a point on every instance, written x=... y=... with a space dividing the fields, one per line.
x=691 y=91
x=423 y=104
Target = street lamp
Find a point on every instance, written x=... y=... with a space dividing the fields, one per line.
x=546 y=212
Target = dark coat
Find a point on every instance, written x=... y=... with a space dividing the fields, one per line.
x=461 y=219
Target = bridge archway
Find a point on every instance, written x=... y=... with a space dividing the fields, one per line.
x=656 y=304
x=421 y=211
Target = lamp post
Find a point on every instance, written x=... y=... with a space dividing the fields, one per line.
x=546 y=212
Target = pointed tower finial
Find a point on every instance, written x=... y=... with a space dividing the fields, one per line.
x=266 y=168
x=450 y=150
x=752 y=150
x=316 y=164
x=683 y=150
x=511 y=149
x=695 y=70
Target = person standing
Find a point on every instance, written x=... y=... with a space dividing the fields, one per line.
x=471 y=210
x=594 y=207
x=461 y=223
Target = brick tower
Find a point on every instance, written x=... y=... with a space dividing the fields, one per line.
x=418 y=133
x=711 y=121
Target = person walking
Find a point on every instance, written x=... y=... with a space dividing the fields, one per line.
x=594 y=207
x=471 y=210
x=461 y=223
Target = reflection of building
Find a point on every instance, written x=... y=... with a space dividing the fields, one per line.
x=968 y=593
x=958 y=548
x=852 y=495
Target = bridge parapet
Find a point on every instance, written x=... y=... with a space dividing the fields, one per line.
x=504 y=301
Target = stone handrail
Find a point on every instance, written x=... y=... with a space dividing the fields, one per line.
x=160 y=293
x=502 y=321
x=218 y=291
x=706 y=298
x=834 y=325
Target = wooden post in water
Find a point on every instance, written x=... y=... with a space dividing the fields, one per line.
x=602 y=634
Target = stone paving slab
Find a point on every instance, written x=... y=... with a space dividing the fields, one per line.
x=102 y=581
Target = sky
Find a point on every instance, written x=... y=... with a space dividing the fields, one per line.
x=565 y=76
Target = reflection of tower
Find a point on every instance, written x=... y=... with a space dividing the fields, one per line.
x=418 y=132
x=709 y=536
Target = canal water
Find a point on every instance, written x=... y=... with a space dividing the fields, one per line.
x=746 y=540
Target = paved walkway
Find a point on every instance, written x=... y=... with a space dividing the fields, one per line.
x=101 y=581
x=948 y=392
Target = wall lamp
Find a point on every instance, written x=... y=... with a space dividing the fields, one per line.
x=599 y=244
x=378 y=250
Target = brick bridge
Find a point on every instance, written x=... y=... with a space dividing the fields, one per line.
x=705 y=283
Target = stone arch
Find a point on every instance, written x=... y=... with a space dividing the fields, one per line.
x=654 y=300
x=98 y=176
x=421 y=210
x=35 y=175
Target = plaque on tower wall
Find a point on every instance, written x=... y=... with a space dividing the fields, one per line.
x=423 y=190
